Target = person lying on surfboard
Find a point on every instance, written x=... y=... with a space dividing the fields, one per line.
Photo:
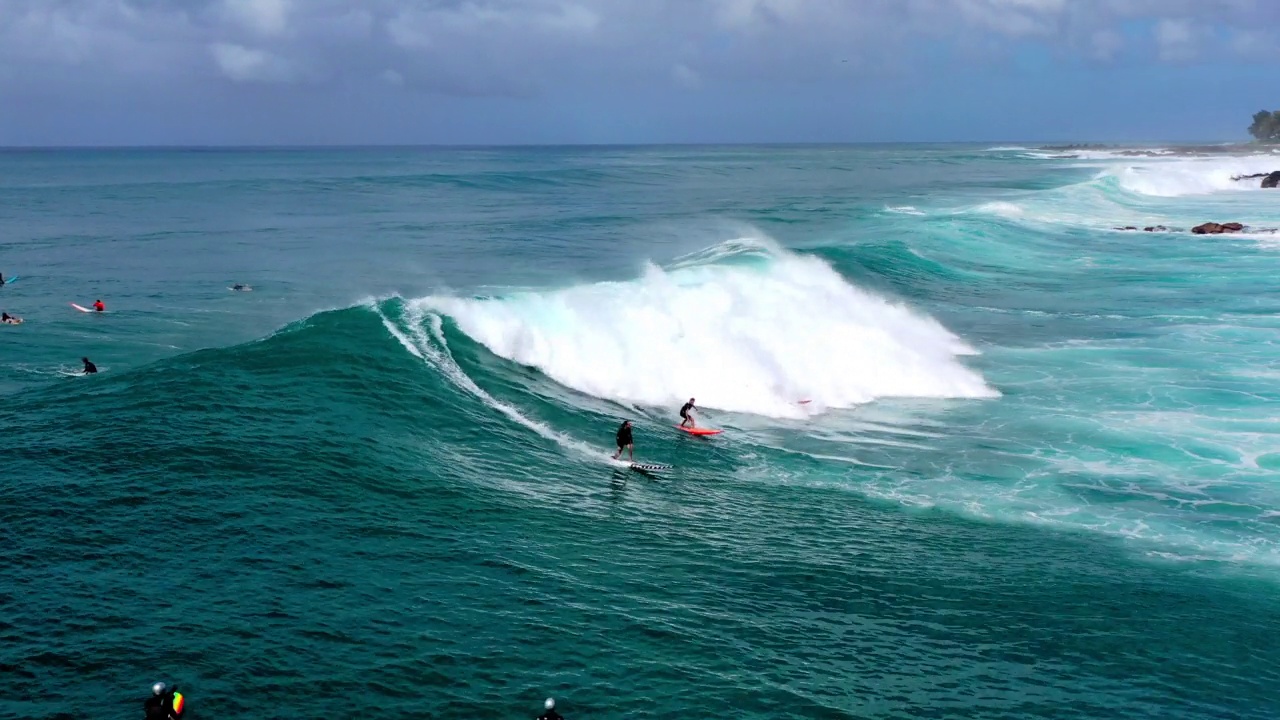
x=8 y=319
x=99 y=307
x=686 y=414
x=89 y=368
x=624 y=440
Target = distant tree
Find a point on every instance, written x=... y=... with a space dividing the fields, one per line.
x=1266 y=126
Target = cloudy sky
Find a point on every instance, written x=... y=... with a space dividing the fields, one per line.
x=106 y=72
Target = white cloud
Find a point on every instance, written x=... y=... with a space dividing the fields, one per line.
x=685 y=76
x=502 y=46
x=1105 y=45
x=1175 y=40
x=391 y=77
x=1256 y=44
x=244 y=64
x=265 y=17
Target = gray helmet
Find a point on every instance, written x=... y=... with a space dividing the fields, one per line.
x=157 y=689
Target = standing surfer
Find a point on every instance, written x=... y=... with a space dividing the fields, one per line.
x=686 y=415
x=625 y=441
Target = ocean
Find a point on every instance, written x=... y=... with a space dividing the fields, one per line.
x=984 y=454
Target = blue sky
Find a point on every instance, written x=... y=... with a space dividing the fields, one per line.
x=138 y=72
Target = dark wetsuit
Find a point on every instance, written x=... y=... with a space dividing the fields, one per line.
x=157 y=707
x=551 y=715
x=89 y=368
x=624 y=436
x=684 y=411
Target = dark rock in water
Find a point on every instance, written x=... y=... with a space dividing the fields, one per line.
x=1212 y=228
x=1155 y=228
x=1269 y=180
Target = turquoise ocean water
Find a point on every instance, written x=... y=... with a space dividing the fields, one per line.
x=1038 y=475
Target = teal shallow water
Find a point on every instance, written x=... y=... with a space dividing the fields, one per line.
x=1037 y=477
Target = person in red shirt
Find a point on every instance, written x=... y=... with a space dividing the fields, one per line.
x=98 y=306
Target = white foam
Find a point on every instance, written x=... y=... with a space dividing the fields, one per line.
x=749 y=337
x=904 y=210
x=1199 y=176
x=432 y=349
x=1003 y=209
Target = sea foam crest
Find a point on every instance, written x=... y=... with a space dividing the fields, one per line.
x=751 y=337
x=1194 y=176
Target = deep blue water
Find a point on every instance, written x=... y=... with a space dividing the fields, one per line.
x=985 y=456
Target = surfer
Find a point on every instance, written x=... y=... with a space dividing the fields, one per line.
x=8 y=319
x=551 y=713
x=99 y=307
x=165 y=703
x=624 y=443
x=89 y=368
x=1 y=279
x=241 y=287
x=686 y=414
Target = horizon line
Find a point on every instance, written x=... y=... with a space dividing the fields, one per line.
x=474 y=146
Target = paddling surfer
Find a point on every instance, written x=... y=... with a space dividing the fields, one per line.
x=686 y=415
x=625 y=442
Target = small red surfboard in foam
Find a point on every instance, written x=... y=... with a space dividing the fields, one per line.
x=698 y=430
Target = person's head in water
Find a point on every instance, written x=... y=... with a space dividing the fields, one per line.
x=158 y=689
x=626 y=423
x=84 y=360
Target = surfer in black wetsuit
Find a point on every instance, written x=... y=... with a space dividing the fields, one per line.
x=624 y=440
x=686 y=414
x=551 y=713
x=165 y=703
x=89 y=368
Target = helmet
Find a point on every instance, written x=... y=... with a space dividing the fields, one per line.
x=550 y=703
x=157 y=689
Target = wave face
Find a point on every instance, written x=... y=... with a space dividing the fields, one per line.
x=387 y=471
x=745 y=327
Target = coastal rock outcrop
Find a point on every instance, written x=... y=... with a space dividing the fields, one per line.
x=1269 y=180
x=1212 y=228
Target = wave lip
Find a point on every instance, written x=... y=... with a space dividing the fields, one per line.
x=747 y=337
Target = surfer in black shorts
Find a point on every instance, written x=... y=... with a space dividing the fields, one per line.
x=686 y=414
x=624 y=440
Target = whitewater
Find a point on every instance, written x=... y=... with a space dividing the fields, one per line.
x=753 y=329
x=986 y=452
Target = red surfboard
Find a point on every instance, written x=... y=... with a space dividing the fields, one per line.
x=698 y=430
